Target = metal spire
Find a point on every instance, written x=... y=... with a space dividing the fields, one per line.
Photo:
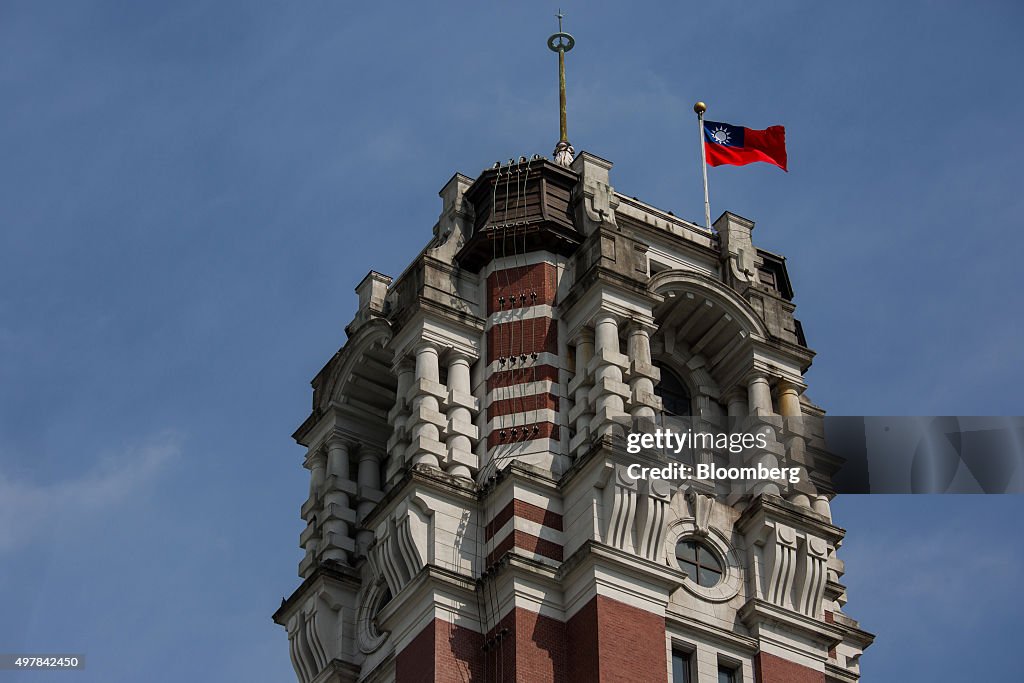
x=561 y=43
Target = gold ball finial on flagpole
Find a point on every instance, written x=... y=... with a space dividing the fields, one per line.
x=700 y=108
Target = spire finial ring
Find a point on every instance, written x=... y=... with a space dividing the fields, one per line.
x=561 y=42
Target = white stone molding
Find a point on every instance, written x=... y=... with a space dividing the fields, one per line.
x=619 y=508
x=701 y=506
x=634 y=512
x=654 y=496
x=811 y=575
x=313 y=637
x=298 y=649
x=596 y=196
x=402 y=545
x=780 y=565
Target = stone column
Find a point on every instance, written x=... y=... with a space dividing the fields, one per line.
x=737 y=413
x=584 y=354
x=606 y=337
x=606 y=333
x=458 y=384
x=582 y=412
x=759 y=395
x=318 y=464
x=369 y=490
x=336 y=502
x=796 y=446
x=640 y=357
x=789 y=400
x=399 y=417
x=736 y=402
x=759 y=400
x=427 y=368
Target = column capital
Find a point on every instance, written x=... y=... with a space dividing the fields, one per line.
x=454 y=356
x=403 y=364
x=784 y=386
x=337 y=439
x=754 y=376
x=640 y=327
x=585 y=336
x=605 y=315
x=736 y=393
x=370 y=453
x=425 y=345
x=315 y=458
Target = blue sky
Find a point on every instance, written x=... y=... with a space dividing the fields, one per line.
x=191 y=190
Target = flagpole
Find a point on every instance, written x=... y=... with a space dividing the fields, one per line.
x=700 y=108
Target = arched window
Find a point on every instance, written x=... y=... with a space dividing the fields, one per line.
x=674 y=394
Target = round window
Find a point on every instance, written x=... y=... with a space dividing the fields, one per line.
x=699 y=563
x=383 y=600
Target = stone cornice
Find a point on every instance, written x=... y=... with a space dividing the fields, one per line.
x=427 y=477
x=757 y=611
x=323 y=572
x=740 y=642
x=775 y=508
x=642 y=570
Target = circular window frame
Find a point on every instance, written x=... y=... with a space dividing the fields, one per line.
x=699 y=545
x=718 y=544
x=369 y=637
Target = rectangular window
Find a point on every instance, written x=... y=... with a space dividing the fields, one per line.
x=767 y=278
x=680 y=667
x=655 y=267
x=726 y=674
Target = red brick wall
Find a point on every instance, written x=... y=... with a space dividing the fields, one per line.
x=522 y=337
x=522 y=404
x=609 y=641
x=771 y=669
x=415 y=663
x=545 y=430
x=582 y=644
x=529 y=543
x=540 y=278
x=441 y=652
x=540 y=648
x=532 y=649
x=523 y=510
x=506 y=378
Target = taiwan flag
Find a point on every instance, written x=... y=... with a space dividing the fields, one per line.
x=726 y=144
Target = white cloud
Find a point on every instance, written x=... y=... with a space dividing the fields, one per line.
x=30 y=509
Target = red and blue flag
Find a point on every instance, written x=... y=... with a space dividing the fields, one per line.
x=726 y=144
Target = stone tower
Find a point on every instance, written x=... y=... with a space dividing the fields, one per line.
x=471 y=516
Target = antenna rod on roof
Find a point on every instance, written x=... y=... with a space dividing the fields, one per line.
x=561 y=43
